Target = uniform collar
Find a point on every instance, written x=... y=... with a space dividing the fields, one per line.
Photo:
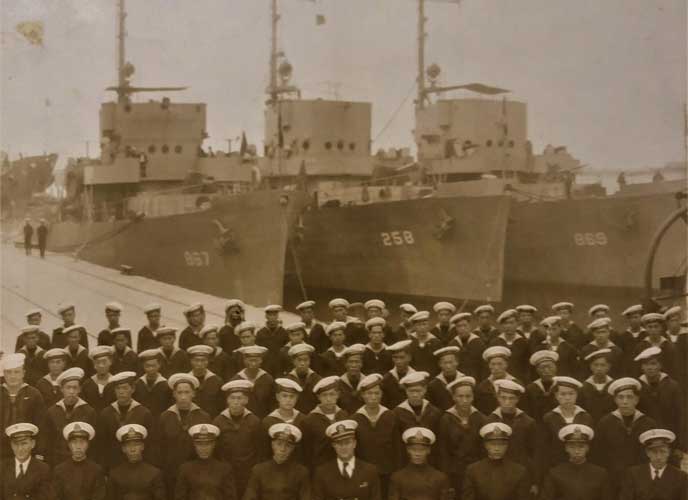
x=363 y=411
x=406 y=406
x=345 y=378
x=52 y=382
x=636 y=415
x=174 y=409
x=175 y=350
x=576 y=410
x=471 y=336
x=516 y=337
x=208 y=374
x=38 y=350
x=440 y=377
x=79 y=350
x=498 y=412
x=637 y=334
x=320 y=412
x=643 y=378
x=24 y=384
x=453 y=411
x=609 y=344
x=158 y=379
x=94 y=377
x=539 y=383
x=382 y=348
x=296 y=375
x=25 y=465
x=127 y=349
x=243 y=375
x=592 y=382
x=430 y=337
x=395 y=374
x=351 y=466
x=79 y=402
x=660 y=472
x=337 y=354
x=276 y=414
x=133 y=405
x=218 y=350
x=508 y=376
x=225 y=413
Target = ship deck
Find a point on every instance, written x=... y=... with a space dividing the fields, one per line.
x=31 y=282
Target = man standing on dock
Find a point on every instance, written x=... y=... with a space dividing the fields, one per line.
x=28 y=234
x=42 y=233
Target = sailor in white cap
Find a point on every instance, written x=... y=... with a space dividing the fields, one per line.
x=33 y=318
x=419 y=480
x=146 y=338
x=151 y=389
x=287 y=393
x=296 y=333
x=77 y=354
x=375 y=308
x=33 y=362
x=567 y=362
x=416 y=410
x=470 y=345
x=315 y=330
x=302 y=356
x=123 y=356
x=424 y=344
x=601 y=331
x=517 y=344
x=392 y=392
x=349 y=398
x=676 y=334
x=174 y=359
x=135 y=477
x=95 y=389
x=79 y=477
x=485 y=317
x=442 y=329
x=527 y=325
x=576 y=477
x=672 y=320
x=497 y=359
x=339 y=308
x=570 y=331
x=404 y=328
x=208 y=393
x=376 y=358
x=272 y=336
x=318 y=449
x=448 y=362
x=262 y=395
x=599 y=311
x=67 y=312
x=539 y=395
x=333 y=357
x=56 y=361
x=113 y=313
x=594 y=395
x=24 y=476
x=479 y=480
x=659 y=478
x=195 y=318
x=220 y=362
x=654 y=324
x=281 y=476
x=235 y=314
x=347 y=476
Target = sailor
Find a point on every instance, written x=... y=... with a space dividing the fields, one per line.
x=301 y=373
x=71 y=408
x=423 y=344
x=443 y=329
x=628 y=339
x=419 y=480
x=78 y=477
x=96 y=389
x=486 y=330
x=174 y=423
x=56 y=361
x=404 y=328
x=135 y=478
x=34 y=364
x=124 y=410
x=415 y=410
x=659 y=479
x=287 y=393
x=600 y=329
x=346 y=476
x=332 y=360
x=497 y=360
x=315 y=331
x=377 y=309
x=349 y=398
x=677 y=336
x=470 y=345
x=205 y=477
x=262 y=394
x=570 y=331
x=19 y=401
x=661 y=398
x=392 y=392
x=24 y=476
x=376 y=358
x=281 y=477
x=113 y=313
x=539 y=397
x=459 y=443
x=672 y=320
x=594 y=395
x=174 y=360
x=317 y=449
x=77 y=354
x=576 y=479
x=146 y=337
x=240 y=433
x=616 y=446
x=209 y=393
x=124 y=358
x=377 y=434
x=67 y=312
x=195 y=318
x=354 y=332
x=28 y=235
x=523 y=442
x=246 y=333
x=273 y=337
x=33 y=318
x=296 y=333
x=447 y=360
x=567 y=362
x=42 y=233
x=495 y=477
x=219 y=362
x=235 y=310
x=151 y=389
x=654 y=325
x=515 y=342
x=527 y=326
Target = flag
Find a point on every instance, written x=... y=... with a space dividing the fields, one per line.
x=244 y=144
x=32 y=31
x=319 y=19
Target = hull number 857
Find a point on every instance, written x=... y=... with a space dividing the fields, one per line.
x=197 y=259
x=397 y=238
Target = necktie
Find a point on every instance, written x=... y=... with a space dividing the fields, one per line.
x=345 y=470
x=656 y=475
x=21 y=471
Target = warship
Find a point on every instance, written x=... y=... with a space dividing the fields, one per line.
x=21 y=179
x=155 y=203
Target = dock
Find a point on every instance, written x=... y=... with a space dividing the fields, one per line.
x=35 y=283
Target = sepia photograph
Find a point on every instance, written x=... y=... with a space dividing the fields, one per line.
x=343 y=250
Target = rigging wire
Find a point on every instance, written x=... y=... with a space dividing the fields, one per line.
x=396 y=111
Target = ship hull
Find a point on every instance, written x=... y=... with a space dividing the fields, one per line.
x=236 y=248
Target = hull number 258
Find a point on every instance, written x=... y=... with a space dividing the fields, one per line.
x=397 y=238
x=197 y=259
x=590 y=239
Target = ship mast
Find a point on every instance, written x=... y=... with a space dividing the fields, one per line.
x=121 y=34
x=272 y=89
x=420 y=100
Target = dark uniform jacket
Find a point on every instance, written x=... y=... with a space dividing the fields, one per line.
x=486 y=395
x=60 y=340
x=667 y=357
x=471 y=355
x=43 y=341
x=228 y=339
x=422 y=357
x=79 y=481
x=495 y=480
x=208 y=479
x=355 y=333
x=568 y=364
x=157 y=397
x=209 y=395
x=519 y=365
x=307 y=399
x=418 y=482
x=91 y=393
x=639 y=485
x=35 y=484
x=438 y=394
x=629 y=345
x=330 y=484
x=316 y=336
x=125 y=361
x=487 y=335
x=79 y=359
x=35 y=366
x=140 y=481
x=146 y=340
x=574 y=335
x=378 y=443
x=550 y=448
x=49 y=389
x=664 y=401
x=221 y=364
x=189 y=338
x=615 y=358
x=459 y=444
x=173 y=362
x=569 y=481
x=275 y=418
x=377 y=362
x=262 y=398
x=316 y=445
x=26 y=406
x=392 y=393
x=539 y=399
x=349 y=399
x=105 y=337
x=332 y=363
x=273 y=339
x=50 y=439
x=443 y=332
x=110 y=419
x=429 y=416
x=597 y=402
x=523 y=441
x=272 y=481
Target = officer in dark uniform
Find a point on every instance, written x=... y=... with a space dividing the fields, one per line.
x=146 y=337
x=195 y=317
x=151 y=389
x=576 y=479
x=67 y=312
x=419 y=480
x=443 y=329
x=78 y=477
x=28 y=235
x=470 y=345
x=495 y=477
x=281 y=477
x=346 y=476
x=42 y=233
x=135 y=479
x=24 y=476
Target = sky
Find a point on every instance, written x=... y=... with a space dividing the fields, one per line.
x=605 y=78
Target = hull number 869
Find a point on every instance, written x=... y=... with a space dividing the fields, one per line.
x=397 y=238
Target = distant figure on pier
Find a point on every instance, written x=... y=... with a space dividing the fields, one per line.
x=28 y=235
x=658 y=177
x=42 y=233
x=621 y=179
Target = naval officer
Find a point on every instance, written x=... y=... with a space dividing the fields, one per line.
x=24 y=476
x=78 y=477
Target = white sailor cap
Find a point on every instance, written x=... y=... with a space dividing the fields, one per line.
x=64 y=308
x=526 y=308
x=597 y=308
x=414 y=378
x=335 y=326
x=509 y=313
x=78 y=429
x=506 y=385
x=672 y=311
x=13 y=360
x=463 y=316
x=296 y=326
x=545 y=355
x=495 y=431
x=199 y=350
x=252 y=350
x=652 y=318
x=341 y=430
x=496 y=351
x=113 y=307
x=355 y=320
x=193 y=308
x=179 y=378
x=287 y=385
x=656 y=437
x=354 y=350
x=72 y=328
x=149 y=354
x=484 y=308
x=624 y=383
x=326 y=383
x=444 y=306
x=550 y=321
x=244 y=326
x=418 y=435
x=576 y=433
x=567 y=382
x=54 y=353
x=286 y=432
x=420 y=316
x=235 y=303
x=402 y=345
x=120 y=331
x=451 y=349
x=122 y=378
x=100 y=350
x=408 y=308
x=649 y=353
x=635 y=309
x=273 y=308
x=201 y=433
x=298 y=349
x=368 y=382
x=70 y=374
x=375 y=322
x=30 y=329
x=165 y=330
x=131 y=432
x=459 y=382
x=21 y=430
x=152 y=308
x=33 y=312
x=599 y=323
x=209 y=328
x=600 y=353
x=308 y=304
x=562 y=305
x=338 y=303
x=239 y=385
x=374 y=303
